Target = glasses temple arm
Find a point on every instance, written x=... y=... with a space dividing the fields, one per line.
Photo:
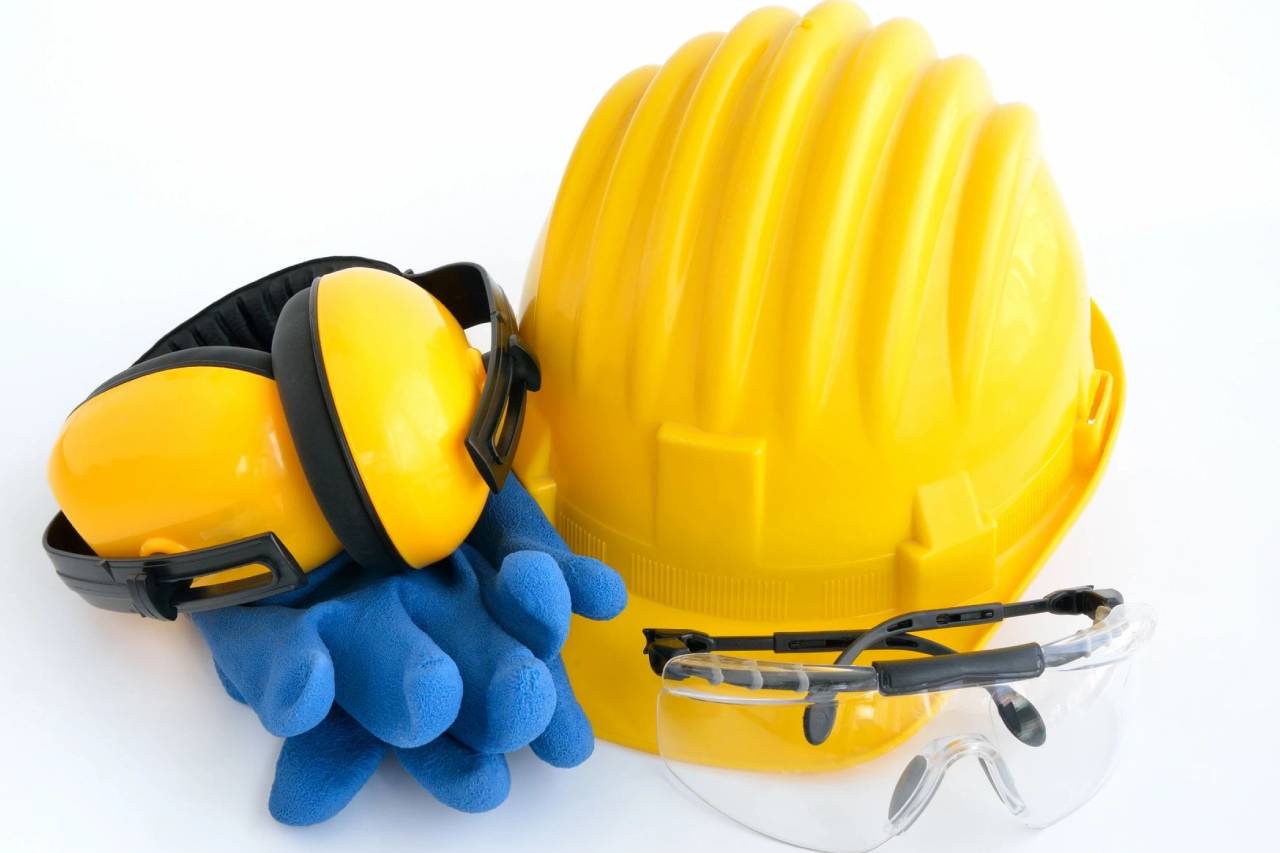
x=1077 y=601
x=1015 y=710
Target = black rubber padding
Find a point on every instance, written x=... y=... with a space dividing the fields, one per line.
x=247 y=317
x=1019 y=716
x=949 y=672
x=235 y=358
x=819 y=720
x=317 y=435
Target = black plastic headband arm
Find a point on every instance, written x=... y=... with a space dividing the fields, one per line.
x=511 y=370
x=160 y=587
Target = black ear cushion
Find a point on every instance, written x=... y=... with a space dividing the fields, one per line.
x=247 y=317
x=317 y=435
x=235 y=358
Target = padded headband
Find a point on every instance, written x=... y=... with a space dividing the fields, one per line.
x=247 y=317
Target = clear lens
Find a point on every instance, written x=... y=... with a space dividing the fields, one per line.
x=1083 y=699
x=734 y=733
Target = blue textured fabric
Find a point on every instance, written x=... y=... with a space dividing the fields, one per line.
x=451 y=666
x=319 y=771
x=408 y=656
x=512 y=523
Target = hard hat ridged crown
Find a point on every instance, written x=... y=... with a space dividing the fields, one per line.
x=814 y=332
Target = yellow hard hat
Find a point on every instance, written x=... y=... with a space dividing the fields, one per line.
x=816 y=345
x=304 y=417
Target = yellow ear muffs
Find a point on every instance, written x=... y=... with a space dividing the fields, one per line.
x=180 y=475
x=380 y=386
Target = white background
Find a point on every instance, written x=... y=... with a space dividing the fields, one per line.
x=154 y=155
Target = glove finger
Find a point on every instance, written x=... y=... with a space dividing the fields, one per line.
x=320 y=771
x=512 y=521
x=508 y=710
x=508 y=696
x=457 y=775
x=391 y=677
x=276 y=662
x=530 y=600
x=568 y=739
x=597 y=590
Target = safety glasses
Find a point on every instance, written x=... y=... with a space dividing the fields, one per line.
x=843 y=757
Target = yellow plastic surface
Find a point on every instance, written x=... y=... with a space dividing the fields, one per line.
x=816 y=345
x=182 y=459
x=405 y=386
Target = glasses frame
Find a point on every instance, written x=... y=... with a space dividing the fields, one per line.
x=942 y=669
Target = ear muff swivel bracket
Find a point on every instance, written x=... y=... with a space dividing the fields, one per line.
x=511 y=369
x=161 y=587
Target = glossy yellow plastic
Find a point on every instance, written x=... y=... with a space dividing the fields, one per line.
x=405 y=385
x=816 y=345
x=182 y=459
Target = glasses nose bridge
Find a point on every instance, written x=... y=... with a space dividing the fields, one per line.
x=924 y=773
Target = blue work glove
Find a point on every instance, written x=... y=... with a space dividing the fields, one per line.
x=408 y=656
x=320 y=771
x=501 y=696
x=513 y=533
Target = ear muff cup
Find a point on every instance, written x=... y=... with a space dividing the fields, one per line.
x=317 y=435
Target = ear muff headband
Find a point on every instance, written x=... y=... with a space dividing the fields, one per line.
x=510 y=368
x=247 y=316
x=318 y=438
